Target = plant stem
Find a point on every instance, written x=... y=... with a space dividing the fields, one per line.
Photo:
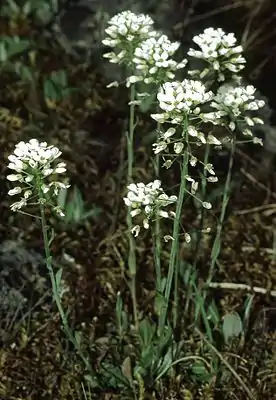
x=202 y=209
x=173 y=268
x=55 y=289
x=132 y=247
x=157 y=233
x=217 y=242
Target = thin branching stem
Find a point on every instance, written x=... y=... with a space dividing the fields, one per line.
x=175 y=245
x=132 y=248
x=157 y=233
x=226 y=193
x=56 y=289
x=202 y=209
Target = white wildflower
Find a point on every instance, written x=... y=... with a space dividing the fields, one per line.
x=180 y=99
x=167 y=238
x=235 y=104
x=207 y=205
x=34 y=163
x=126 y=31
x=153 y=61
x=187 y=237
x=220 y=51
x=149 y=201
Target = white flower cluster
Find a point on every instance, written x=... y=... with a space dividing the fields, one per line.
x=180 y=99
x=126 y=31
x=148 y=200
x=169 y=137
x=220 y=51
x=153 y=62
x=234 y=106
x=32 y=163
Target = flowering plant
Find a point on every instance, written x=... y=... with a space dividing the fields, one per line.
x=148 y=200
x=125 y=33
x=153 y=62
x=221 y=53
x=181 y=99
x=33 y=164
x=234 y=106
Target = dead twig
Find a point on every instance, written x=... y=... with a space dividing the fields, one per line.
x=256 y=182
x=241 y=286
x=264 y=207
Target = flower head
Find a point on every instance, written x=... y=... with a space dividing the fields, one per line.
x=125 y=32
x=33 y=164
x=234 y=107
x=220 y=51
x=148 y=201
x=179 y=99
x=153 y=62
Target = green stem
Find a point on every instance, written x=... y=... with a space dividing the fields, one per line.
x=132 y=247
x=202 y=209
x=217 y=242
x=173 y=268
x=157 y=233
x=55 y=289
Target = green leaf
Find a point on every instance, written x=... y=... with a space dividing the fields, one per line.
x=58 y=277
x=49 y=90
x=78 y=338
x=199 y=369
x=61 y=200
x=213 y=313
x=126 y=369
x=147 y=102
x=92 y=381
x=3 y=52
x=216 y=249
x=146 y=331
x=232 y=326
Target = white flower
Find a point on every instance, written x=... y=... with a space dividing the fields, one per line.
x=178 y=147
x=15 y=191
x=153 y=60
x=136 y=230
x=125 y=32
x=234 y=103
x=207 y=205
x=220 y=51
x=179 y=99
x=149 y=201
x=33 y=162
x=187 y=237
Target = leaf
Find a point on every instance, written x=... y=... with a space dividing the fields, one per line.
x=127 y=369
x=199 y=369
x=58 y=277
x=159 y=303
x=147 y=102
x=146 y=331
x=61 y=200
x=3 y=52
x=92 y=381
x=49 y=90
x=213 y=313
x=232 y=326
x=78 y=338
x=216 y=249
